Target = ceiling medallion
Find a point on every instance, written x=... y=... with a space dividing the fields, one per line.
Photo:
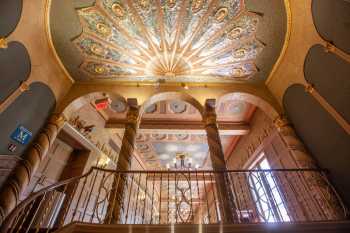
x=178 y=106
x=221 y=14
x=103 y=29
x=99 y=69
x=98 y=50
x=176 y=40
x=118 y=106
x=118 y=10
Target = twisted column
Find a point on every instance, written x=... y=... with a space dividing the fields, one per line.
x=226 y=201
x=124 y=161
x=326 y=203
x=20 y=178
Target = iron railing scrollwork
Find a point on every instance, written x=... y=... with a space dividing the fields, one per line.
x=191 y=196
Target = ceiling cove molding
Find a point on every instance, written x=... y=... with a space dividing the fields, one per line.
x=286 y=42
x=50 y=42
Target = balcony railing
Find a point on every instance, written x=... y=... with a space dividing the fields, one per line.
x=166 y=197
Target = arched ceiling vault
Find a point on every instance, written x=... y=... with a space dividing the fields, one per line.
x=201 y=41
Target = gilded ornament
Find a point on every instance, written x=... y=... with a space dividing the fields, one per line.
x=100 y=69
x=221 y=14
x=144 y=3
x=171 y=3
x=197 y=5
x=309 y=88
x=97 y=49
x=280 y=122
x=3 y=43
x=238 y=71
x=24 y=87
x=234 y=33
x=104 y=29
x=239 y=53
x=118 y=10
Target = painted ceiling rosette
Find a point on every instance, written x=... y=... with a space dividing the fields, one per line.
x=174 y=40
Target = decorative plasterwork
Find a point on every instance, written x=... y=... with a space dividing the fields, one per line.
x=173 y=40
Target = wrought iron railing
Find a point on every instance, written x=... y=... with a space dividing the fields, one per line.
x=166 y=197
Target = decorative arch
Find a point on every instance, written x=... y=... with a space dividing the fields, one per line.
x=331 y=19
x=30 y=110
x=172 y=96
x=10 y=14
x=270 y=110
x=15 y=68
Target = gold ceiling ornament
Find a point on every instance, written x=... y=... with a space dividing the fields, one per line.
x=97 y=49
x=118 y=10
x=144 y=3
x=197 y=5
x=171 y=3
x=234 y=33
x=221 y=14
x=240 y=53
x=172 y=40
x=103 y=29
x=100 y=69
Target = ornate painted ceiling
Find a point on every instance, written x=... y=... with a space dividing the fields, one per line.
x=162 y=40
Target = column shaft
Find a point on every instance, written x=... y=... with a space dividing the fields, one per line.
x=19 y=180
x=226 y=202
x=325 y=202
x=124 y=163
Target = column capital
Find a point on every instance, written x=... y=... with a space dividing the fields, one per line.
x=209 y=116
x=57 y=119
x=310 y=88
x=329 y=47
x=3 y=43
x=24 y=86
x=133 y=113
x=281 y=122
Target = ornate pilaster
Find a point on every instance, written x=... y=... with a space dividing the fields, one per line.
x=329 y=108
x=293 y=144
x=226 y=202
x=20 y=178
x=11 y=98
x=124 y=161
x=3 y=43
x=330 y=48
x=325 y=203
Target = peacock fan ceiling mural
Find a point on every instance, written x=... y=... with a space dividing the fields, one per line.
x=174 y=40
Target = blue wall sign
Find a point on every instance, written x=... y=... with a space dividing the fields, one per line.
x=22 y=135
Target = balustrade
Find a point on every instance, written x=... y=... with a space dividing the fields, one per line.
x=174 y=197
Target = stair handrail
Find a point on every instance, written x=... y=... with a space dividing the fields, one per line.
x=5 y=225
